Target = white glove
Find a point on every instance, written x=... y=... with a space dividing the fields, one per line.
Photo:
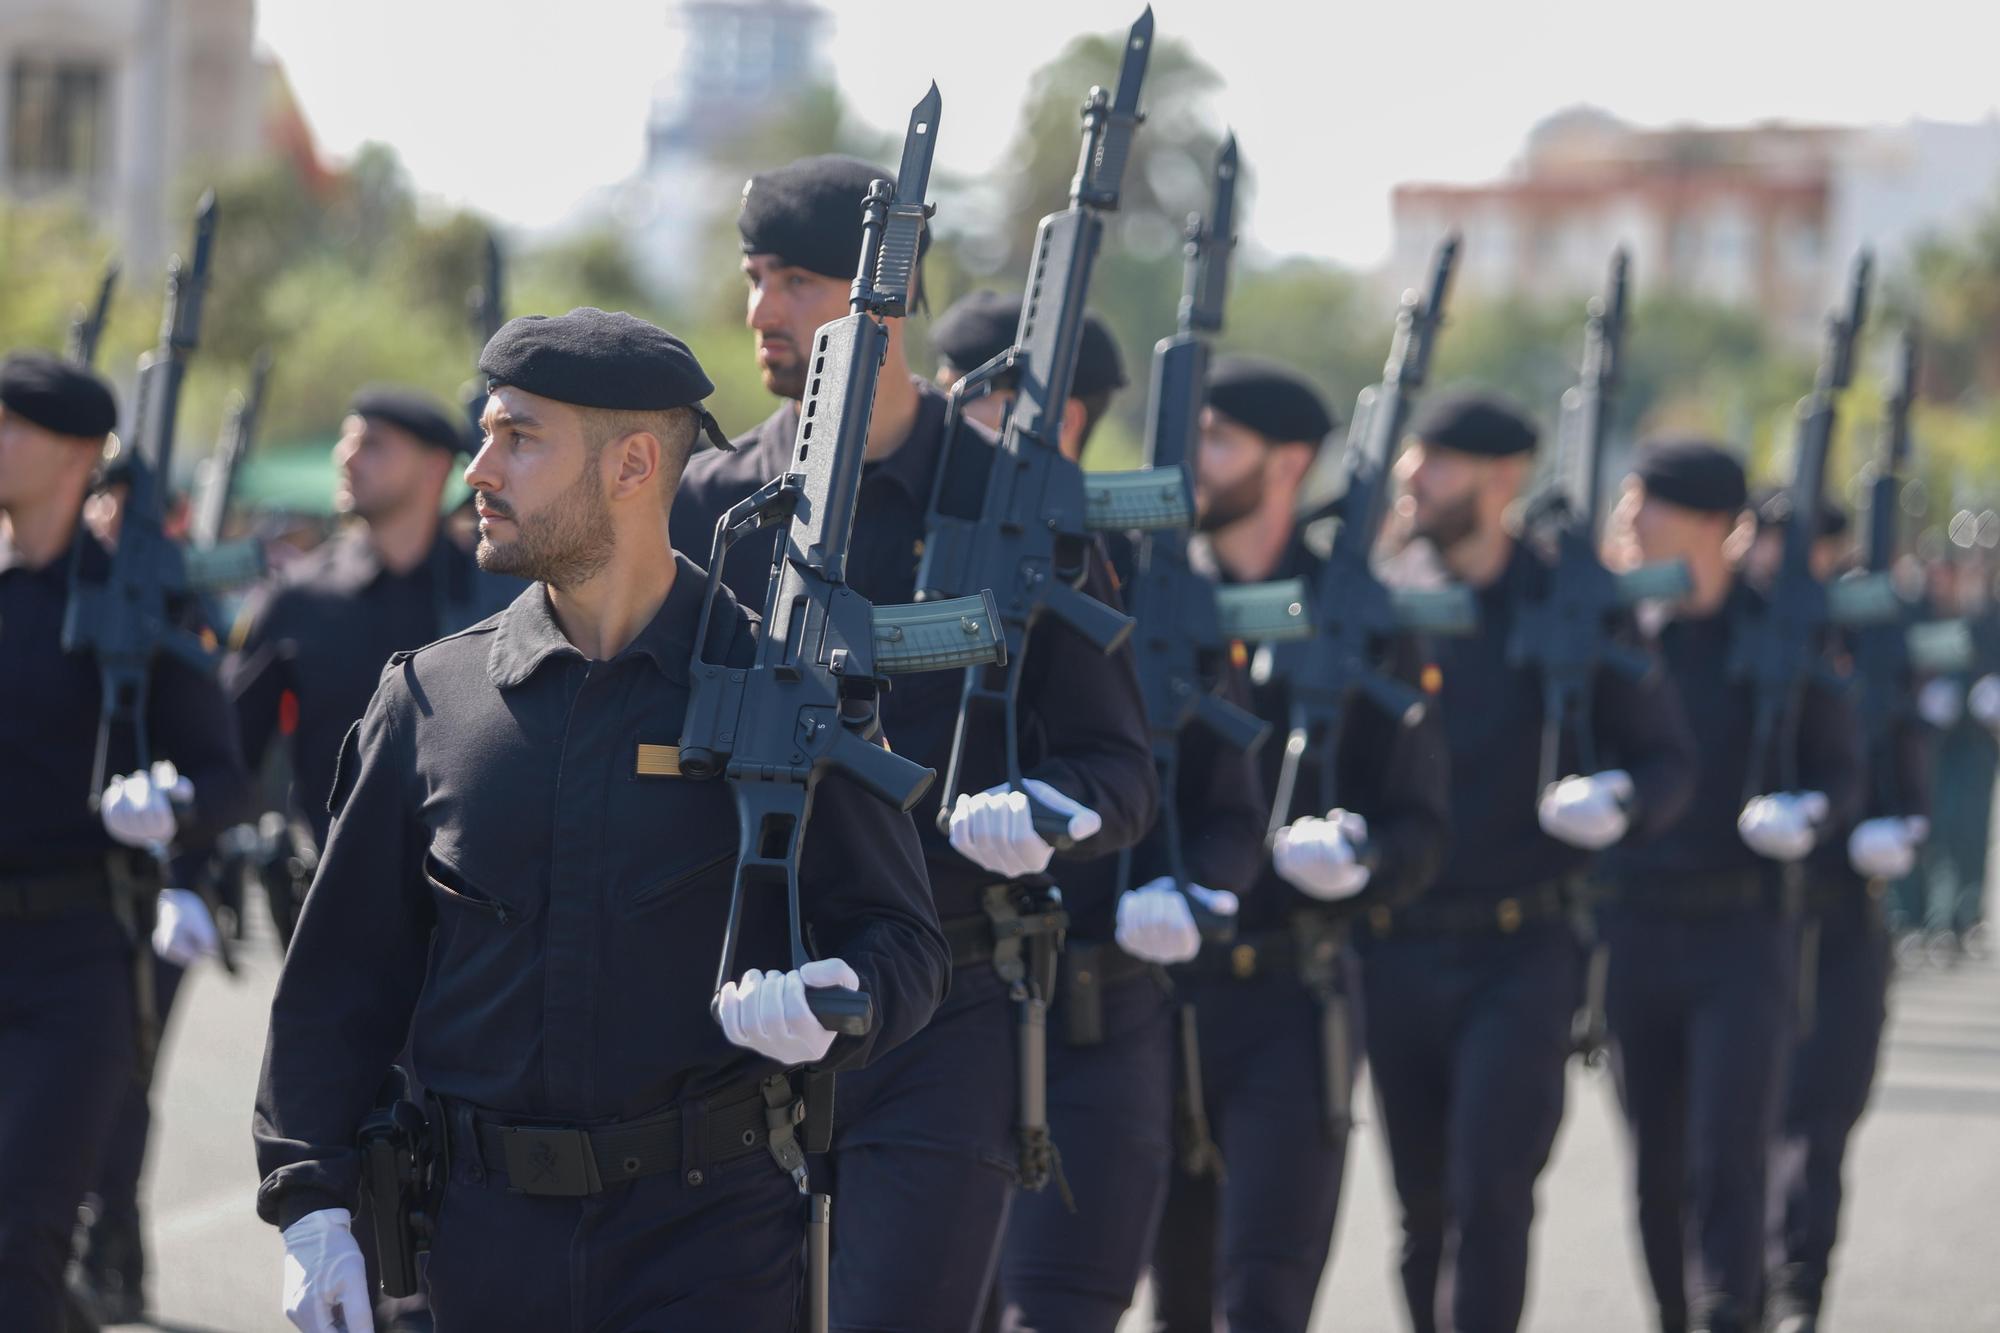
x=1319 y=856
x=138 y=809
x=1983 y=700
x=1941 y=703
x=1782 y=826
x=1588 y=812
x=766 y=1011
x=183 y=931
x=1154 y=922
x=1886 y=848
x=326 y=1284
x=995 y=831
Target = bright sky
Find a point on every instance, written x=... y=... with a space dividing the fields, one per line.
x=520 y=107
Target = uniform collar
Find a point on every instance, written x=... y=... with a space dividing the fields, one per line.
x=528 y=635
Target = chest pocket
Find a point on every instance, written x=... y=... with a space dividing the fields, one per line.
x=676 y=836
x=464 y=898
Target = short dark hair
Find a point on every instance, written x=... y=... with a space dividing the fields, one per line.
x=674 y=427
x=1095 y=405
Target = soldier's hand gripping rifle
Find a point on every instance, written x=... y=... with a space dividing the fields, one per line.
x=1328 y=641
x=88 y=327
x=1030 y=543
x=1178 y=642
x=1777 y=651
x=126 y=620
x=1566 y=634
x=808 y=705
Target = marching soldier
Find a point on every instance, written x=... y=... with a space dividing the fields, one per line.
x=937 y=1118
x=1470 y=991
x=1248 y=1244
x=78 y=885
x=512 y=886
x=1700 y=992
x=1833 y=1063
x=321 y=632
x=1073 y=1263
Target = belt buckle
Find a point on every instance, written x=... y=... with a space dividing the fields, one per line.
x=550 y=1161
x=1243 y=962
x=1508 y=914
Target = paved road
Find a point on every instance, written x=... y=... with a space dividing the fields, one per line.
x=1920 y=1250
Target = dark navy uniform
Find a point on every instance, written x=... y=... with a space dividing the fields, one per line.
x=1250 y=1250
x=67 y=1038
x=322 y=632
x=1470 y=991
x=1111 y=1057
x=1833 y=1065
x=935 y=1120
x=1701 y=989
x=541 y=919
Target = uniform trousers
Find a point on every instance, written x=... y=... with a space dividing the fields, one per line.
x=1832 y=1073
x=1251 y=1248
x=1468 y=1034
x=67 y=1056
x=922 y=1169
x=1700 y=1010
x=1111 y=1116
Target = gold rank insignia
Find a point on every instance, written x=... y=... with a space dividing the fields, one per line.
x=1433 y=679
x=658 y=761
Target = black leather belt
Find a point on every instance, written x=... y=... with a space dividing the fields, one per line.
x=34 y=897
x=1479 y=916
x=572 y=1160
x=1697 y=895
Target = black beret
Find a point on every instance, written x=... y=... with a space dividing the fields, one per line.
x=596 y=358
x=1472 y=422
x=979 y=327
x=57 y=396
x=1773 y=507
x=414 y=412
x=1694 y=474
x=808 y=214
x=1274 y=400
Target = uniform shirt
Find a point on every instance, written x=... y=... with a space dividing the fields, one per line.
x=1218 y=797
x=1719 y=708
x=1082 y=726
x=1896 y=781
x=323 y=631
x=542 y=921
x=1493 y=721
x=48 y=730
x=1394 y=776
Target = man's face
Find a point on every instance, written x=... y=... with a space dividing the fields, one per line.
x=1663 y=530
x=1229 y=471
x=34 y=462
x=542 y=498
x=1443 y=491
x=380 y=468
x=786 y=306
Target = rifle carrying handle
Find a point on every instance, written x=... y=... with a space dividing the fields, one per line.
x=851 y=1013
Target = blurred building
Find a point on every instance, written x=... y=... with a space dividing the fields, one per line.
x=735 y=61
x=116 y=103
x=1764 y=217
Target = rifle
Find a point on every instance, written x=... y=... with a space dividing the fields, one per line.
x=1179 y=642
x=125 y=621
x=486 y=308
x=1031 y=541
x=1327 y=641
x=1565 y=635
x=1776 y=650
x=239 y=432
x=809 y=704
x=88 y=324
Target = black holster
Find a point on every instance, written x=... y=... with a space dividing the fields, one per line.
x=398 y=1168
x=1028 y=929
x=1318 y=942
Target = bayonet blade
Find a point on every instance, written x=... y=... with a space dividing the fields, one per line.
x=1132 y=73
x=1214 y=242
x=913 y=177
